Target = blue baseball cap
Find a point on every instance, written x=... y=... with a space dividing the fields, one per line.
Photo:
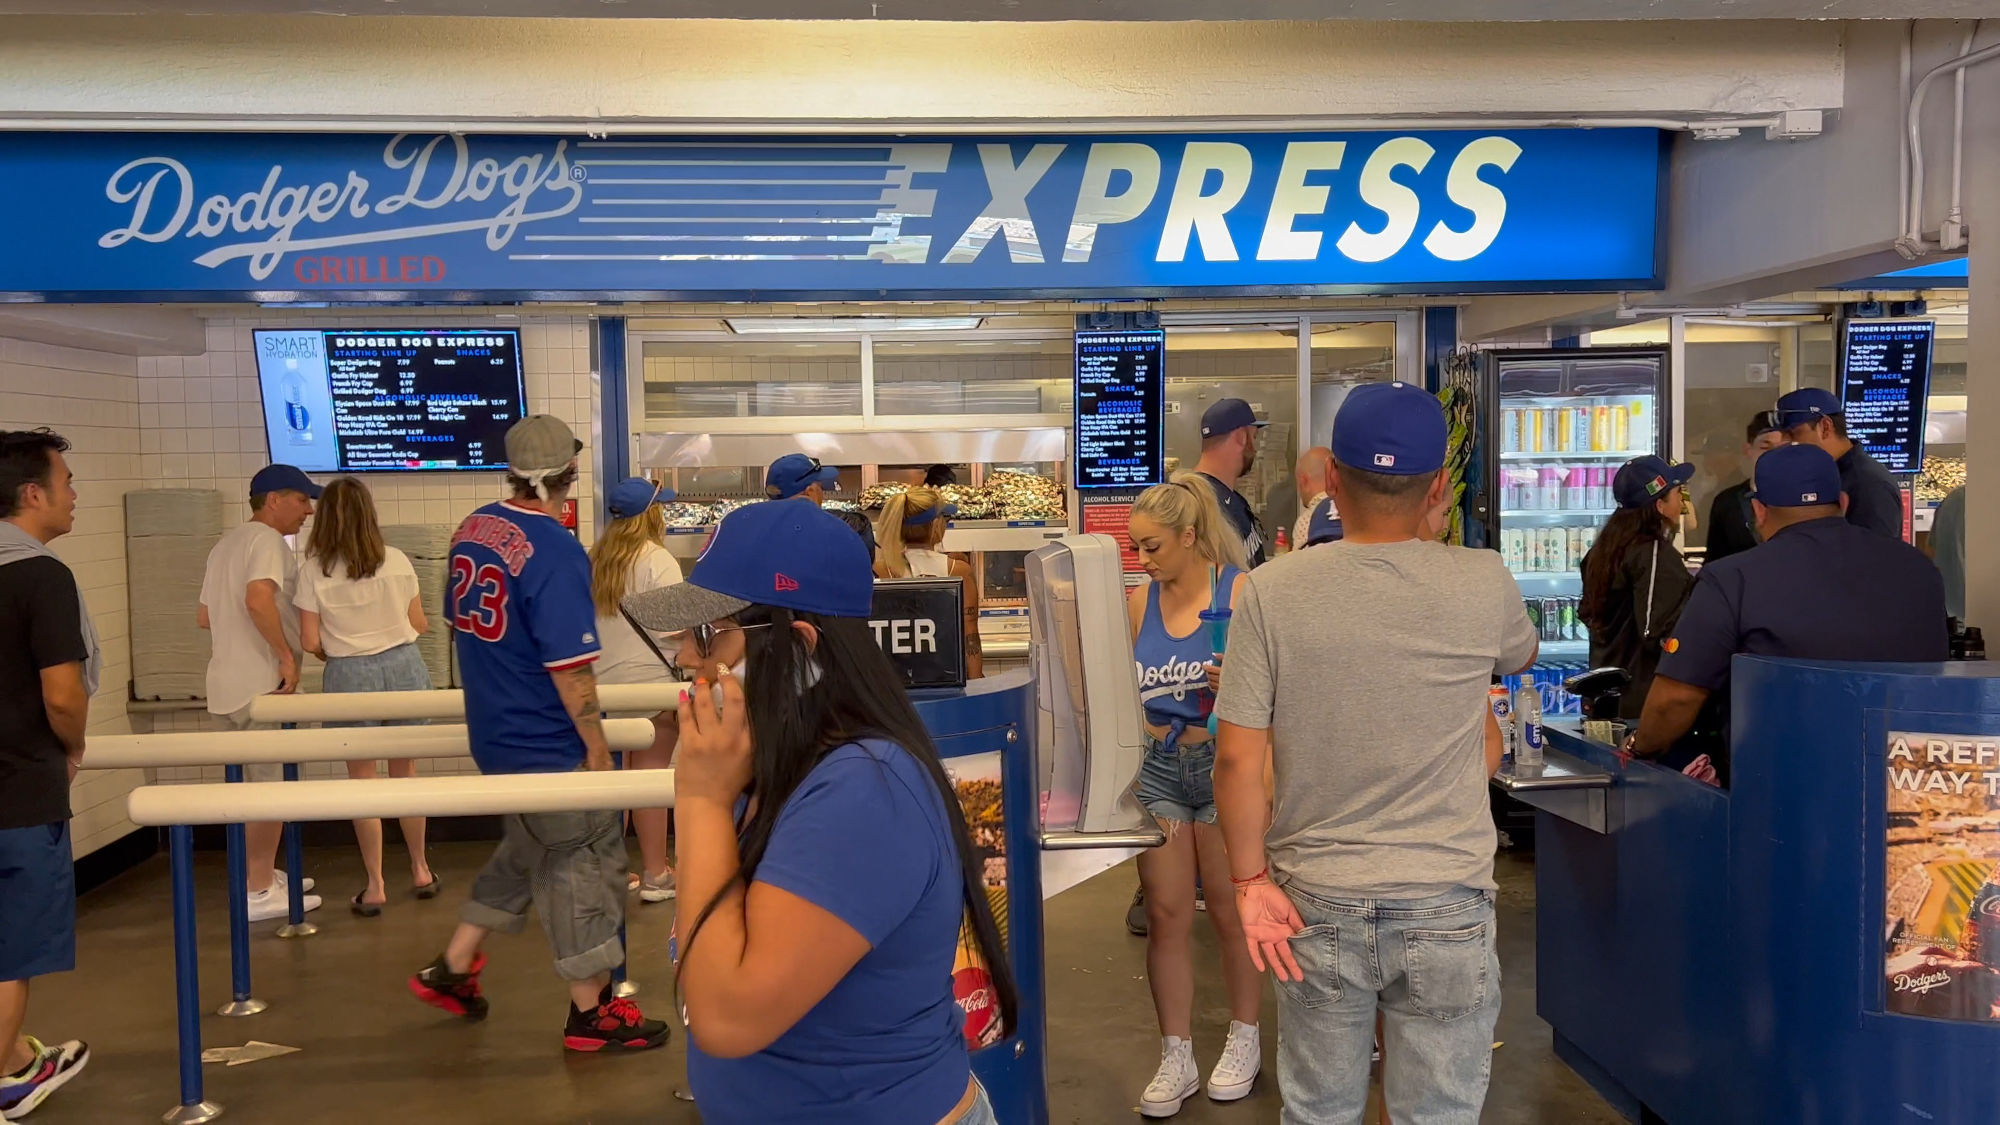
x=1397 y=429
x=1324 y=527
x=1643 y=480
x=1806 y=405
x=633 y=495
x=1227 y=415
x=1795 y=476
x=796 y=556
x=794 y=473
x=283 y=478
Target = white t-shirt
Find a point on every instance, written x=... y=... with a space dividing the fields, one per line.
x=240 y=665
x=360 y=617
x=926 y=563
x=624 y=657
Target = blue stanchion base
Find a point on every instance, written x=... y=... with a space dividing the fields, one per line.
x=192 y=1114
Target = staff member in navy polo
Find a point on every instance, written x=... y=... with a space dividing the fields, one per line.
x=796 y=474
x=1819 y=588
x=1811 y=416
x=1228 y=450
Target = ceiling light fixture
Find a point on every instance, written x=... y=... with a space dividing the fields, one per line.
x=793 y=326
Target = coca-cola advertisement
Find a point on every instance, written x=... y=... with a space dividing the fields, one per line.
x=1942 y=955
x=976 y=777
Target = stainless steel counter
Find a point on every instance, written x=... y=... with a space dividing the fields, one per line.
x=1566 y=786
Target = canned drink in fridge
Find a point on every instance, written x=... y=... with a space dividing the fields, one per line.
x=1565 y=428
x=1531 y=429
x=1555 y=548
x=1513 y=549
x=1600 y=429
x=1552 y=619
x=1621 y=430
x=1510 y=429
x=1569 y=622
x=1534 y=608
x=1576 y=547
x=1551 y=425
x=1581 y=440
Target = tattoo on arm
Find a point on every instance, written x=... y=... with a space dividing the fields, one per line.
x=578 y=687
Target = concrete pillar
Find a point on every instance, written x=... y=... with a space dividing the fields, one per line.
x=1982 y=382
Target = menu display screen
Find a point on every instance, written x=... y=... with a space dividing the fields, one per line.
x=367 y=400
x=1120 y=409
x=1885 y=379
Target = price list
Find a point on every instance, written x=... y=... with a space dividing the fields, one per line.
x=424 y=400
x=1885 y=378
x=1120 y=409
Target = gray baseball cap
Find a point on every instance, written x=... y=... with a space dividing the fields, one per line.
x=540 y=443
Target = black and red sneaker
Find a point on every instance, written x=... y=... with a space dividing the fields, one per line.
x=458 y=993
x=615 y=1022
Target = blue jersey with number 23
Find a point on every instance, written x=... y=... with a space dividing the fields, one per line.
x=518 y=596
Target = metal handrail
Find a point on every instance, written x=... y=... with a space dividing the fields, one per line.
x=449 y=703
x=581 y=791
x=335 y=744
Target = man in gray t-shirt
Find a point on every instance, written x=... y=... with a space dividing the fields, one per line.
x=1364 y=664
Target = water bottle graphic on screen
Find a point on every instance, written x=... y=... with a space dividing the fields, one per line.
x=298 y=420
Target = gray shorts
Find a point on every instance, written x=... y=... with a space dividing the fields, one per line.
x=571 y=867
x=398 y=669
x=239 y=719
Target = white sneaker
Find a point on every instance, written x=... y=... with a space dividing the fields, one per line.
x=1236 y=1071
x=657 y=890
x=273 y=902
x=279 y=882
x=1175 y=1082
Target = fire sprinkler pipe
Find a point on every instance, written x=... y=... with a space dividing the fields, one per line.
x=1912 y=244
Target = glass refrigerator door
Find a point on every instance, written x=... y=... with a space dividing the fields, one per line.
x=1565 y=423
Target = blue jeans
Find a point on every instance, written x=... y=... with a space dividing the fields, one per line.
x=1177 y=783
x=1431 y=965
x=980 y=1113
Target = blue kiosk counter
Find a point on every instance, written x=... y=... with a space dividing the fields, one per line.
x=1820 y=942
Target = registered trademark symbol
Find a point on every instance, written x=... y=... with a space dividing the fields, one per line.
x=578 y=173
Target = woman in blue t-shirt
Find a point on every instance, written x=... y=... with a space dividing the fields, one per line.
x=825 y=869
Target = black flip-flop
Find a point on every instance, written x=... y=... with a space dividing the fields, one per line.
x=428 y=890
x=364 y=909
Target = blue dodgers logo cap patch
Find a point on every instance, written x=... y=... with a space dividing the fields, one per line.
x=1392 y=428
x=1795 y=476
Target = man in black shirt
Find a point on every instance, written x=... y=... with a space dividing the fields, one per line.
x=1812 y=416
x=47 y=665
x=1732 y=529
x=1819 y=588
x=1228 y=449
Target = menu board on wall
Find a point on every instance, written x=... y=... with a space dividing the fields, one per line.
x=1885 y=376
x=1120 y=409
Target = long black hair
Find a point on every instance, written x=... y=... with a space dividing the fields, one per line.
x=859 y=695
x=1627 y=528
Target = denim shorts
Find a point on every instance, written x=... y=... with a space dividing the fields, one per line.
x=37 y=902
x=980 y=1112
x=1178 y=784
x=570 y=866
x=398 y=669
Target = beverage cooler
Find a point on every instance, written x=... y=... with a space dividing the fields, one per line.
x=1560 y=423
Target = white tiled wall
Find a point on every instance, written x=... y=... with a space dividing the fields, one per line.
x=200 y=425
x=91 y=398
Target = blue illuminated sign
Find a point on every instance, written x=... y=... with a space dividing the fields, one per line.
x=448 y=217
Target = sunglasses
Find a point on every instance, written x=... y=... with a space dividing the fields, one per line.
x=703 y=636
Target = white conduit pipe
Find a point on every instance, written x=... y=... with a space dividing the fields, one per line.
x=403 y=796
x=1911 y=245
x=279 y=747
x=334 y=707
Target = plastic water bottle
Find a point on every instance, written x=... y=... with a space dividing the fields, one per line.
x=297 y=418
x=1528 y=721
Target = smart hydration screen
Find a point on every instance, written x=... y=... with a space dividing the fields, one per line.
x=367 y=400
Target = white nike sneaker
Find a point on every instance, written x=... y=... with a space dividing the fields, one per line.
x=1174 y=1083
x=1236 y=1071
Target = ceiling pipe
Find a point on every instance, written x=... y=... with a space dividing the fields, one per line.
x=1912 y=245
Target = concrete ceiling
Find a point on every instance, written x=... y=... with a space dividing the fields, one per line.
x=1007 y=10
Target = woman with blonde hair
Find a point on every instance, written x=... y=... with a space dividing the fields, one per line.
x=907 y=538
x=360 y=612
x=1194 y=568
x=631 y=557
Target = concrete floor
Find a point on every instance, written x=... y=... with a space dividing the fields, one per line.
x=368 y=1048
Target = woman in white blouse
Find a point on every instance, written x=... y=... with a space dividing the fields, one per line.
x=631 y=557
x=360 y=612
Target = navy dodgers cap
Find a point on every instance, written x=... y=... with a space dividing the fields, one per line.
x=1643 y=480
x=794 y=473
x=283 y=478
x=1806 y=405
x=1226 y=416
x=1392 y=428
x=795 y=556
x=1795 y=476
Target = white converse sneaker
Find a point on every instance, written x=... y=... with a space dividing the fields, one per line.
x=279 y=881
x=1236 y=1071
x=1175 y=1082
